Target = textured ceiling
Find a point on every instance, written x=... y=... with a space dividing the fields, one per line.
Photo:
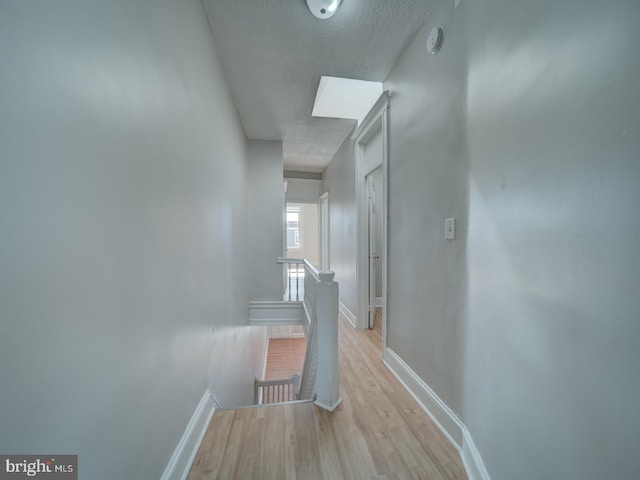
x=274 y=52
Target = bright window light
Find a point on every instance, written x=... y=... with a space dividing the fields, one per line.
x=345 y=98
x=293 y=227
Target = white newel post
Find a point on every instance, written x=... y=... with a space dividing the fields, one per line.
x=328 y=373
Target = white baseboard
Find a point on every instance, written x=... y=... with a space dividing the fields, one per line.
x=184 y=454
x=439 y=412
x=446 y=420
x=378 y=302
x=471 y=459
x=328 y=407
x=347 y=313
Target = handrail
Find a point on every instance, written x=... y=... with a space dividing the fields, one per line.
x=311 y=277
x=312 y=269
x=310 y=366
x=289 y=260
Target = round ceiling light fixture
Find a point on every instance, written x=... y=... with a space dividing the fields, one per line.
x=434 y=40
x=323 y=9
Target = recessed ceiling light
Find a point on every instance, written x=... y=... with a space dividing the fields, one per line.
x=323 y=9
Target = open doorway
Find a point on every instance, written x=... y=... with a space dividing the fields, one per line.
x=376 y=246
x=300 y=243
x=371 y=144
x=302 y=232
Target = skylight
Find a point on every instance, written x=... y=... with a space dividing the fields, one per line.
x=345 y=98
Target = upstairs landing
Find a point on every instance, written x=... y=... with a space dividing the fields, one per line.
x=377 y=432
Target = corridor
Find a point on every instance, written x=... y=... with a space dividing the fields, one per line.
x=377 y=432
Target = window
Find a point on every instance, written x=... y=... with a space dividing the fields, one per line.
x=293 y=227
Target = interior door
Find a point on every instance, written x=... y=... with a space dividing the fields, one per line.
x=373 y=254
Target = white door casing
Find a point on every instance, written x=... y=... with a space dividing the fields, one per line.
x=376 y=122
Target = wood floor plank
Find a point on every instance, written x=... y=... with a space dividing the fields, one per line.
x=307 y=453
x=251 y=445
x=329 y=457
x=213 y=445
x=290 y=439
x=377 y=432
x=231 y=456
x=273 y=444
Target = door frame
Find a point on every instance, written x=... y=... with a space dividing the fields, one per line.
x=375 y=122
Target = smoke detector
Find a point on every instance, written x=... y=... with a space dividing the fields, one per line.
x=323 y=9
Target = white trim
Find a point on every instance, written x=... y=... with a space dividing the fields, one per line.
x=302 y=175
x=377 y=108
x=471 y=458
x=329 y=408
x=439 y=412
x=307 y=181
x=375 y=121
x=378 y=302
x=444 y=418
x=347 y=313
x=264 y=313
x=385 y=218
x=185 y=452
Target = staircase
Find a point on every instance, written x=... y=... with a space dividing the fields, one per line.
x=319 y=380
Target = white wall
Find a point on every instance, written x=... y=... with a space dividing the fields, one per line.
x=339 y=180
x=553 y=122
x=265 y=196
x=302 y=190
x=428 y=183
x=123 y=218
x=524 y=127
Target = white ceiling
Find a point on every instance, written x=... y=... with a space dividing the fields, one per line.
x=275 y=51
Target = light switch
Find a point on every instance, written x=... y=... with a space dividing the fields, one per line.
x=450 y=228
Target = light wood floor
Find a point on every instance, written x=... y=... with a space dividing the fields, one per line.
x=377 y=432
x=285 y=357
x=377 y=327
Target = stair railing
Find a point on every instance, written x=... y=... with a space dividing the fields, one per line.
x=320 y=378
x=276 y=391
x=293 y=272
